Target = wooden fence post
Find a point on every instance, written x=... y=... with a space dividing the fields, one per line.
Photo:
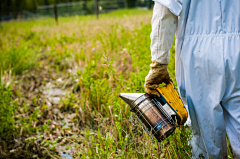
x=96 y=8
x=56 y=13
x=85 y=6
x=126 y=4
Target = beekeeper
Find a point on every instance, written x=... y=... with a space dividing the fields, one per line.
x=207 y=67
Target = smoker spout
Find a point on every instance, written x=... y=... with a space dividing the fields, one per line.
x=130 y=97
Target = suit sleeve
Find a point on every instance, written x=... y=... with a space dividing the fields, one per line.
x=164 y=24
x=175 y=6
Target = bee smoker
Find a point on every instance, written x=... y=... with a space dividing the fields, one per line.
x=153 y=112
x=158 y=115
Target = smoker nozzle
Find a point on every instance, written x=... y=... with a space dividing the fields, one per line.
x=129 y=98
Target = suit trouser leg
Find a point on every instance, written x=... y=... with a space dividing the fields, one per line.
x=204 y=86
x=231 y=99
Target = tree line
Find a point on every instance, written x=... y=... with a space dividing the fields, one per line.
x=7 y=6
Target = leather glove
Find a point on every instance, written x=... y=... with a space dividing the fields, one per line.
x=158 y=74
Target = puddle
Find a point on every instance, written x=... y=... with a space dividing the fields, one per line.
x=54 y=94
x=66 y=156
x=66 y=153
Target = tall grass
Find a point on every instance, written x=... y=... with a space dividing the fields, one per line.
x=17 y=60
x=98 y=59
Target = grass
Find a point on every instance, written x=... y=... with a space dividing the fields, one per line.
x=94 y=60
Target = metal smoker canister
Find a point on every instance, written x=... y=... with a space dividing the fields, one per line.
x=154 y=114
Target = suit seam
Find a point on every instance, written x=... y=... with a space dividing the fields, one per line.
x=213 y=35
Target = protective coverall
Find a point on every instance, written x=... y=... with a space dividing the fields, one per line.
x=207 y=67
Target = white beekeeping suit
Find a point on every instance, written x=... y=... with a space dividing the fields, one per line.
x=207 y=67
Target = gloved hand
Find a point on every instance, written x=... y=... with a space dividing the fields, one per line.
x=158 y=74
